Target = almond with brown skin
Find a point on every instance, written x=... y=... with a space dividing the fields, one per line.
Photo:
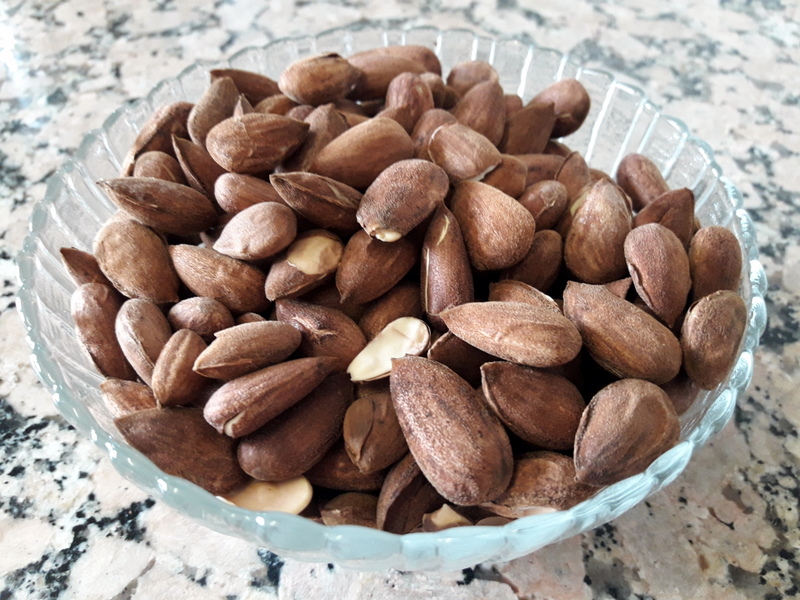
x=683 y=392
x=94 y=308
x=378 y=69
x=372 y=434
x=199 y=169
x=300 y=112
x=513 y=103
x=497 y=230
x=594 y=245
x=243 y=106
x=254 y=86
x=509 y=176
x=174 y=382
x=640 y=178
x=541 y=167
x=150 y=276
x=521 y=333
x=456 y=354
x=623 y=339
x=249 y=318
x=458 y=443
x=625 y=427
x=179 y=442
x=278 y=104
x=82 y=267
x=428 y=122
x=437 y=87
x=559 y=149
x=204 y=316
x=620 y=287
x=462 y=152
x=328 y=295
x=244 y=348
x=715 y=260
x=215 y=105
x=542 y=264
x=299 y=437
x=248 y=402
x=360 y=154
x=157 y=132
x=351 y=508
x=159 y=165
x=163 y=205
x=483 y=108
x=319 y=79
x=122 y=397
x=234 y=192
x=546 y=201
x=511 y=290
x=674 y=210
x=325 y=331
x=325 y=123
x=255 y=142
x=405 y=497
x=528 y=130
x=142 y=331
x=403 y=300
x=336 y=471
x=574 y=174
x=414 y=52
x=370 y=267
x=542 y=408
x=541 y=480
x=466 y=75
x=307 y=263
x=323 y=201
x=445 y=274
x=571 y=102
x=710 y=337
x=401 y=197
x=659 y=268
x=407 y=98
x=258 y=232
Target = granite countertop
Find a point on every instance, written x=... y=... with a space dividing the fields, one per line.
x=70 y=527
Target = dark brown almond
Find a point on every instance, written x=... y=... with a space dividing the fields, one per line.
x=82 y=267
x=299 y=437
x=483 y=108
x=674 y=210
x=462 y=152
x=401 y=197
x=445 y=273
x=94 y=308
x=254 y=86
x=466 y=75
x=625 y=427
x=659 y=268
x=541 y=408
x=323 y=201
x=542 y=264
x=372 y=434
x=336 y=471
x=306 y=264
x=405 y=497
x=319 y=79
x=465 y=360
x=150 y=275
x=246 y=403
x=325 y=123
x=215 y=105
x=204 y=316
x=571 y=102
x=521 y=333
x=370 y=267
x=122 y=397
x=159 y=165
x=458 y=443
x=199 y=169
x=234 y=192
x=360 y=154
x=325 y=331
x=497 y=230
x=179 y=442
x=546 y=201
x=377 y=71
x=351 y=508
x=715 y=260
x=528 y=130
x=622 y=338
x=710 y=337
x=403 y=300
x=640 y=178
x=174 y=382
x=244 y=348
x=258 y=232
x=157 y=132
x=142 y=331
x=238 y=285
x=509 y=176
x=255 y=142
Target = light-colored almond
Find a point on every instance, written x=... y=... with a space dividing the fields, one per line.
x=289 y=496
x=405 y=336
x=306 y=263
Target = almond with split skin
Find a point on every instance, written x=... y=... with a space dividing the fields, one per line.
x=622 y=338
x=258 y=232
x=163 y=205
x=497 y=230
x=521 y=333
x=174 y=382
x=306 y=263
x=625 y=427
x=323 y=201
x=463 y=153
x=372 y=435
x=715 y=260
x=142 y=331
x=246 y=347
x=402 y=337
x=458 y=443
x=236 y=284
x=336 y=471
x=324 y=331
x=248 y=402
x=401 y=197
x=179 y=442
x=319 y=79
x=254 y=143
x=299 y=437
x=405 y=497
x=710 y=337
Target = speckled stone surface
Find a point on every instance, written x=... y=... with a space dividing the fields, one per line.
x=70 y=527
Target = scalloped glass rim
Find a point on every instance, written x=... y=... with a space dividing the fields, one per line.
x=665 y=139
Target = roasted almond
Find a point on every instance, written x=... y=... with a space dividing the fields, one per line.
x=142 y=331
x=174 y=383
x=372 y=434
x=541 y=265
x=122 y=397
x=427 y=123
x=319 y=79
x=258 y=232
x=277 y=104
x=204 y=316
x=215 y=105
x=715 y=260
x=571 y=102
x=307 y=262
x=640 y=178
x=574 y=175
x=541 y=167
x=462 y=152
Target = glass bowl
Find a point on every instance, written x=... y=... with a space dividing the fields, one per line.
x=622 y=120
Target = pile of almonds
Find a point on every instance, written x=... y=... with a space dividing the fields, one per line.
x=371 y=295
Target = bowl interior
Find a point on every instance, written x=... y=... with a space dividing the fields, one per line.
x=622 y=120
